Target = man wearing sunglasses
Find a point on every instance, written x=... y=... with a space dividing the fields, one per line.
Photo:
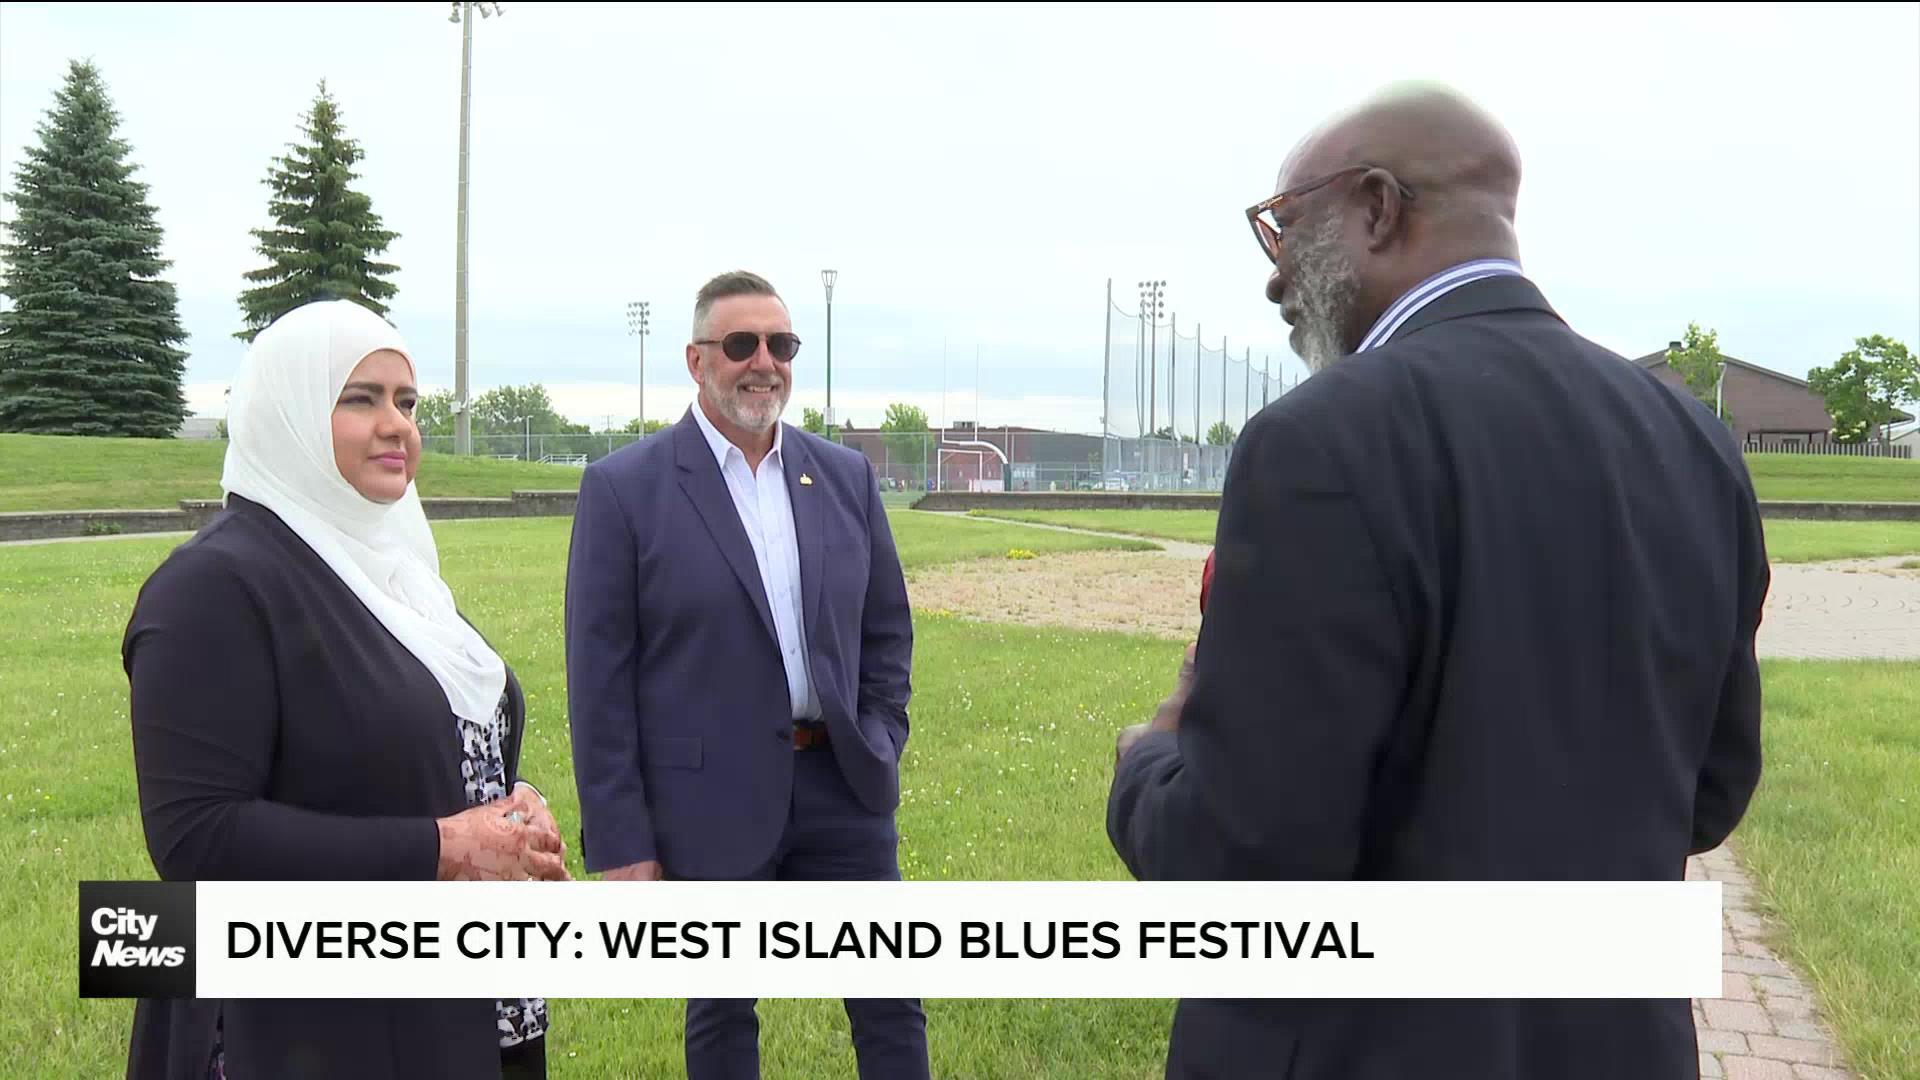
x=1483 y=608
x=738 y=656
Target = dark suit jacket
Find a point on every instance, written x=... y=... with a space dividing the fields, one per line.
x=281 y=733
x=1484 y=609
x=682 y=723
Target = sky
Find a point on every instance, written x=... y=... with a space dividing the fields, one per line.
x=977 y=174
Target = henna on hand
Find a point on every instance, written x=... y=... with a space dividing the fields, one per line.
x=481 y=844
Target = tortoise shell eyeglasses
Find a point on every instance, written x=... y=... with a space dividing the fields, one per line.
x=1268 y=231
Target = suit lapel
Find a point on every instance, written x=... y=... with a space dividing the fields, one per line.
x=707 y=489
x=805 y=497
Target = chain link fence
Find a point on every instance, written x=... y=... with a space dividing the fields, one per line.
x=1173 y=403
x=551 y=449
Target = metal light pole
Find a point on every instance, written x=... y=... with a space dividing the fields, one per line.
x=1140 y=373
x=1153 y=305
x=827 y=278
x=1246 y=389
x=637 y=327
x=1106 y=364
x=1173 y=372
x=463 y=418
x=1223 y=381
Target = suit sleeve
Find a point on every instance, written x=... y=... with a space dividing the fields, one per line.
x=1731 y=772
x=205 y=704
x=1299 y=673
x=603 y=647
x=886 y=629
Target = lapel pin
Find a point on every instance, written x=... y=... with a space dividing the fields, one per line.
x=805 y=480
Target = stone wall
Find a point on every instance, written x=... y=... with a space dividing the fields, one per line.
x=193 y=514
x=961 y=501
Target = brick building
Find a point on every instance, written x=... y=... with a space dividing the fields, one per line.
x=1770 y=411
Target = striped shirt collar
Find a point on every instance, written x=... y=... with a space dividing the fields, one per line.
x=1430 y=290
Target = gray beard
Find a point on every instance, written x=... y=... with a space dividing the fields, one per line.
x=1328 y=285
x=736 y=406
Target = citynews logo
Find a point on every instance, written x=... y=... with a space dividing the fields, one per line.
x=118 y=953
x=136 y=939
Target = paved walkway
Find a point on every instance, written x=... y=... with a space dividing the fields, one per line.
x=94 y=539
x=1853 y=610
x=1765 y=1026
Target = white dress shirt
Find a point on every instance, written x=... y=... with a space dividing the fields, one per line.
x=767 y=514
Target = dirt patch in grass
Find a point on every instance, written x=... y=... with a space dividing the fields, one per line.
x=1131 y=592
x=1156 y=592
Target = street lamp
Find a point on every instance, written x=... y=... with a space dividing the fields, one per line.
x=827 y=278
x=463 y=424
x=637 y=327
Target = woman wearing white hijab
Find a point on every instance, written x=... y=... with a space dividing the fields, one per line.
x=309 y=704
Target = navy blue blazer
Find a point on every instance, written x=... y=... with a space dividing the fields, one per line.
x=1484 y=608
x=677 y=698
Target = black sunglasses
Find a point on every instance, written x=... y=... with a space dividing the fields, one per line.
x=742 y=344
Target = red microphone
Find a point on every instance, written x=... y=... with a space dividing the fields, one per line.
x=1206 y=582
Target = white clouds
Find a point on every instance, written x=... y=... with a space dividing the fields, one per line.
x=976 y=173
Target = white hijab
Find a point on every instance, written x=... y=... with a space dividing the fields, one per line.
x=280 y=455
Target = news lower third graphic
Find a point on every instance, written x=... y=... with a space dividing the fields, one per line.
x=137 y=939
x=900 y=939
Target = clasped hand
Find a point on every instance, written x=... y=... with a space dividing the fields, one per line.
x=510 y=839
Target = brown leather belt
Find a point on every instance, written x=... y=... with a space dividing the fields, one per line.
x=809 y=735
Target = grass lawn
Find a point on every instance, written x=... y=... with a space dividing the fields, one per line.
x=47 y=472
x=1006 y=779
x=1833 y=844
x=1787 y=541
x=1817 y=478
x=40 y=472
x=930 y=539
x=1815 y=541
x=1193 y=526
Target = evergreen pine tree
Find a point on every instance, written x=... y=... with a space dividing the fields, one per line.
x=88 y=346
x=325 y=235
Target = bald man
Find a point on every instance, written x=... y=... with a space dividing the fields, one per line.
x=1483 y=608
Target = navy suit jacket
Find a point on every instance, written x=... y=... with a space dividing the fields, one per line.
x=1483 y=609
x=677 y=698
